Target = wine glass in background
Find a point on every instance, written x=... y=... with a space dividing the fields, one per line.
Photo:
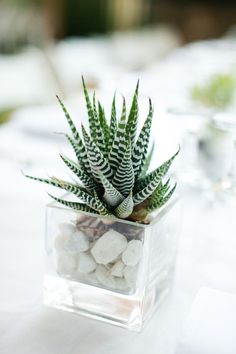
x=226 y=121
x=216 y=155
x=190 y=124
x=208 y=121
x=216 y=142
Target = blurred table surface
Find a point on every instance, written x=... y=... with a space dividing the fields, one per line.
x=206 y=253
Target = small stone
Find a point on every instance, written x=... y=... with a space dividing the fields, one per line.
x=60 y=242
x=130 y=274
x=104 y=277
x=131 y=256
x=121 y=284
x=91 y=226
x=66 y=263
x=117 y=269
x=91 y=278
x=108 y=247
x=77 y=242
x=67 y=229
x=86 y=263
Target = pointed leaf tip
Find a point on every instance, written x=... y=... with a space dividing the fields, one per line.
x=82 y=78
x=125 y=209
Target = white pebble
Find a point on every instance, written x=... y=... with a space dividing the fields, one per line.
x=131 y=256
x=86 y=263
x=121 y=284
x=92 y=278
x=108 y=247
x=104 y=277
x=66 y=263
x=117 y=269
x=130 y=274
x=77 y=242
x=59 y=243
x=66 y=229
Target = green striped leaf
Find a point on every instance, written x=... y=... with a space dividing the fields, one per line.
x=98 y=134
x=169 y=195
x=147 y=163
x=51 y=182
x=161 y=201
x=124 y=210
x=70 y=122
x=75 y=148
x=78 y=192
x=81 y=154
x=88 y=182
x=71 y=188
x=141 y=146
x=124 y=177
x=132 y=122
x=98 y=162
x=100 y=205
x=74 y=205
x=146 y=192
x=94 y=123
x=104 y=126
x=119 y=143
x=112 y=196
x=160 y=191
x=157 y=173
x=151 y=181
x=90 y=110
x=113 y=124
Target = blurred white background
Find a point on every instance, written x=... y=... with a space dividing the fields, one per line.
x=45 y=46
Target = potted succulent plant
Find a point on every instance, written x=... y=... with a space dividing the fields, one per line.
x=110 y=250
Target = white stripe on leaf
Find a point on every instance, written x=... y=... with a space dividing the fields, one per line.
x=125 y=209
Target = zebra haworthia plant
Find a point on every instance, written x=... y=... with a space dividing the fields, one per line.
x=112 y=164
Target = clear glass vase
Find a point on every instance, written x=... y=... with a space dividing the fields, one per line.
x=112 y=270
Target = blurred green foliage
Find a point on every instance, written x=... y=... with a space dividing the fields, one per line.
x=24 y=2
x=5 y=115
x=218 y=91
x=85 y=17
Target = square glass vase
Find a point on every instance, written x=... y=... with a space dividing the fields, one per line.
x=109 y=269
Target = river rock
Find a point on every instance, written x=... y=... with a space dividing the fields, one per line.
x=108 y=247
x=77 y=242
x=86 y=263
x=66 y=263
x=130 y=274
x=117 y=269
x=104 y=277
x=67 y=229
x=91 y=226
x=131 y=256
